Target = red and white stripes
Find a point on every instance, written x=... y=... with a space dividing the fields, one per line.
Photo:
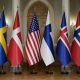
x=32 y=47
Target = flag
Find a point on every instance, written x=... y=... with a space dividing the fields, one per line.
x=47 y=51
x=15 y=50
x=75 y=48
x=63 y=47
x=32 y=47
x=3 y=41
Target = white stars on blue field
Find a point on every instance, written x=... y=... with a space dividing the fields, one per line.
x=34 y=24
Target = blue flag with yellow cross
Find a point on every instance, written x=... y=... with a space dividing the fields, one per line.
x=3 y=41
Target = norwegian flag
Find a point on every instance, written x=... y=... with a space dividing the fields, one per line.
x=63 y=47
x=75 y=48
x=15 y=50
x=32 y=47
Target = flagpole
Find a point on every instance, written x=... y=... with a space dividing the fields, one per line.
x=18 y=68
x=2 y=65
x=33 y=68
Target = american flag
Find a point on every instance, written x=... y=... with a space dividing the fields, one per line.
x=32 y=47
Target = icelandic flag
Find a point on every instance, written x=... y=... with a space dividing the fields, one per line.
x=3 y=42
x=63 y=47
x=47 y=51
x=75 y=48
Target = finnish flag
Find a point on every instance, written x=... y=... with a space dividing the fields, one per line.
x=47 y=51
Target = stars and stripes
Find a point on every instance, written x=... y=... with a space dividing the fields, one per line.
x=75 y=48
x=32 y=47
x=63 y=47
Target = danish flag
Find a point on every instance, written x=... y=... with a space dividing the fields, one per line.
x=75 y=49
x=63 y=47
x=15 y=50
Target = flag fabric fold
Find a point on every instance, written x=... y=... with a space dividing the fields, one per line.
x=75 y=48
x=63 y=47
x=47 y=51
x=15 y=50
x=32 y=47
x=3 y=41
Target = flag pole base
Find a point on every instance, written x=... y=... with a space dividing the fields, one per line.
x=49 y=72
x=49 y=69
x=33 y=69
x=2 y=70
x=78 y=70
x=65 y=69
x=16 y=70
x=64 y=72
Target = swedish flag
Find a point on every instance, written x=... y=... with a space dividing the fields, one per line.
x=3 y=42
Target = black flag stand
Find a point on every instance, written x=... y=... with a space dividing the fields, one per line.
x=2 y=70
x=49 y=69
x=33 y=69
x=78 y=70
